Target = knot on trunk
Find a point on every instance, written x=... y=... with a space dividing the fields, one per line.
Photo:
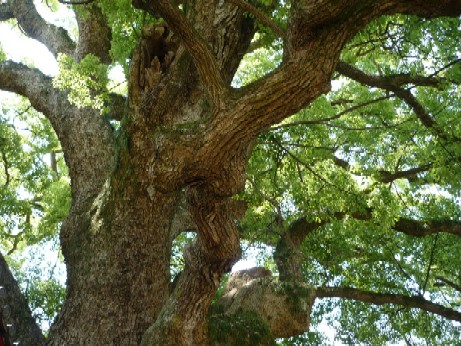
x=285 y=307
x=151 y=60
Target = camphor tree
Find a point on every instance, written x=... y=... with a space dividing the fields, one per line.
x=229 y=129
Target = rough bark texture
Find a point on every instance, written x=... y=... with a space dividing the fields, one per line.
x=186 y=131
x=15 y=314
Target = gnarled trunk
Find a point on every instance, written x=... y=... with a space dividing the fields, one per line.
x=186 y=130
x=117 y=252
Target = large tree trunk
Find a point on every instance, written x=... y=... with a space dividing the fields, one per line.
x=186 y=131
x=118 y=267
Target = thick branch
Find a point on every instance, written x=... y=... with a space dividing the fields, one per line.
x=286 y=306
x=15 y=310
x=5 y=11
x=386 y=82
x=309 y=62
x=288 y=256
x=34 y=26
x=428 y=9
x=381 y=299
x=410 y=174
x=85 y=136
x=425 y=228
x=94 y=35
x=199 y=50
x=259 y=15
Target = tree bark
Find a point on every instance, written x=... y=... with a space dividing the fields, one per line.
x=14 y=311
x=186 y=129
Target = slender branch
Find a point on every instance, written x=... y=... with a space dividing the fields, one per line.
x=386 y=82
x=449 y=283
x=382 y=299
x=272 y=201
x=431 y=260
x=54 y=38
x=6 y=168
x=259 y=15
x=394 y=84
x=334 y=117
x=199 y=50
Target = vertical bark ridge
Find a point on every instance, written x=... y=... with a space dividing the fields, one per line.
x=118 y=267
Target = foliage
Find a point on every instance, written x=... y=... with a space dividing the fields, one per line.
x=332 y=162
x=242 y=329
x=41 y=275
x=2 y=54
x=126 y=24
x=34 y=200
x=85 y=81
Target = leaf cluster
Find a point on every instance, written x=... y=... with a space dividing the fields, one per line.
x=85 y=81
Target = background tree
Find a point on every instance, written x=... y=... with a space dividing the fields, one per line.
x=353 y=191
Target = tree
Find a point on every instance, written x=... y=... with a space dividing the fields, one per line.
x=356 y=192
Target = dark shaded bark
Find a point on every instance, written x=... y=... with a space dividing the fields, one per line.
x=288 y=255
x=424 y=228
x=94 y=34
x=14 y=311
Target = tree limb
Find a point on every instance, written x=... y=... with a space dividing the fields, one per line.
x=94 y=34
x=85 y=136
x=424 y=228
x=287 y=255
x=333 y=117
x=394 y=84
x=428 y=9
x=198 y=48
x=259 y=15
x=410 y=174
x=382 y=298
x=286 y=306
x=5 y=11
x=386 y=82
x=54 y=38
x=15 y=310
x=303 y=75
x=449 y=283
